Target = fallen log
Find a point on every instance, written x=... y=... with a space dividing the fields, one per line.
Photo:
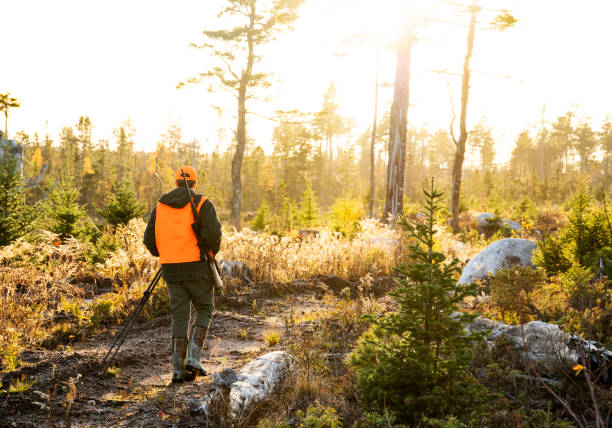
x=235 y=394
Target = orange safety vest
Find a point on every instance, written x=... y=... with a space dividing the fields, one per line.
x=175 y=239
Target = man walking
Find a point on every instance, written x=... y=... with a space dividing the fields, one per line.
x=170 y=236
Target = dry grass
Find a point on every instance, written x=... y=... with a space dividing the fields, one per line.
x=44 y=283
x=375 y=250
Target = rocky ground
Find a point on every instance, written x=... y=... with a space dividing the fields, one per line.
x=67 y=389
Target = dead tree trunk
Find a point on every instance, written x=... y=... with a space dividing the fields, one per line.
x=460 y=153
x=399 y=126
x=241 y=137
x=373 y=144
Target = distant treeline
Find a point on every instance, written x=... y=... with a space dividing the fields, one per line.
x=546 y=165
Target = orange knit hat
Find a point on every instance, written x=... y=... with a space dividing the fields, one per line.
x=190 y=173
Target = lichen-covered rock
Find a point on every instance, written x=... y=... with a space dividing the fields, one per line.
x=485 y=221
x=236 y=270
x=544 y=342
x=257 y=381
x=498 y=255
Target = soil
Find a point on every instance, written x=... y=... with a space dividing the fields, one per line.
x=68 y=390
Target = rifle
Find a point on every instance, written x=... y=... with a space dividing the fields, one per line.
x=208 y=254
x=108 y=359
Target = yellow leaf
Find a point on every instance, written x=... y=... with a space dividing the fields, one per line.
x=578 y=368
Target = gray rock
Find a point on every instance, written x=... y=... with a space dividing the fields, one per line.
x=498 y=255
x=306 y=234
x=548 y=344
x=483 y=217
x=513 y=225
x=484 y=224
x=544 y=342
x=482 y=324
x=236 y=270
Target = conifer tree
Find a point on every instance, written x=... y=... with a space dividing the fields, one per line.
x=263 y=217
x=309 y=211
x=15 y=217
x=288 y=214
x=414 y=362
x=123 y=205
x=257 y=24
x=66 y=213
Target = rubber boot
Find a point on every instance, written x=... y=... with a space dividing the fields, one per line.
x=196 y=342
x=179 y=348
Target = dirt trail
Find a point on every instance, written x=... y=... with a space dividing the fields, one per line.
x=141 y=393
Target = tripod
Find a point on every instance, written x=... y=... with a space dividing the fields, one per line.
x=110 y=356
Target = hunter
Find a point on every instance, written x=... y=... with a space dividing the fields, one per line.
x=169 y=236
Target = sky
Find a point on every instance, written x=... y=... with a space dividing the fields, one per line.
x=116 y=60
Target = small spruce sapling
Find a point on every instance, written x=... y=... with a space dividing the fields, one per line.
x=309 y=211
x=66 y=214
x=16 y=217
x=415 y=362
x=123 y=205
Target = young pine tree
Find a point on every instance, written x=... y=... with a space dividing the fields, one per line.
x=263 y=217
x=66 y=213
x=288 y=215
x=123 y=205
x=415 y=362
x=15 y=216
x=309 y=211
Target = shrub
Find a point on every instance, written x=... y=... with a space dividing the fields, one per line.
x=589 y=304
x=100 y=250
x=314 y=417
x=66 y=213
x=415 y=362
x=263 y=218
x=511 y=290
x=102 y=310
x=345 y=215
x=123 y=204
x=62 y=334
x=549 y=220
x=587 y=239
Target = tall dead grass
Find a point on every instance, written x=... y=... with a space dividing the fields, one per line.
x=45 y=282
x=374 y=250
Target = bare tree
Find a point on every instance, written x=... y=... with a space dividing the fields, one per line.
x=502 y=21
x=399 y=124
x=373 y=143
x=258 y=25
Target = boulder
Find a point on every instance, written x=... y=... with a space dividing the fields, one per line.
x=515 y=226
x=485 y=223
x=306 y=234
x=236 y=270
x=498 y=255
x=548 y=344
x=235 y=394
x=544 y=342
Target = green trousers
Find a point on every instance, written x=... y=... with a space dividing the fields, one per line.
x=198 y=292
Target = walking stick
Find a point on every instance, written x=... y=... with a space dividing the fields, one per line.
x=127 y=326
